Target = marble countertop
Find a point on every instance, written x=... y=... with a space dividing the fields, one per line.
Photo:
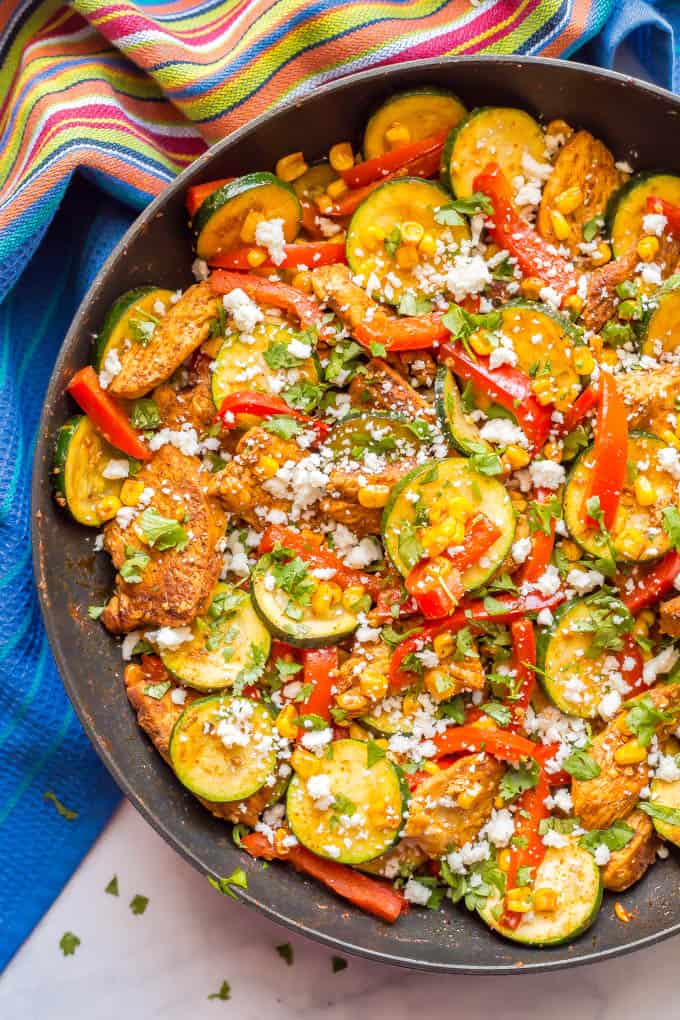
x=166 y=962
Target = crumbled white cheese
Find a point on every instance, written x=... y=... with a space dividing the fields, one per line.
x=298 y=349
x=650 y=272
x=200 y=269
x=545 y=618
x=546 y=474
x=469 y=275
x=609 y=705
x=661 y=663
x=667 y=769
x=169 y=637
x=130 y=641
x=416 y=892
x=583 y=581
x=178 y=695
x=654 y=223
x=319 y=789
x=602 y=854
x=116 y=469
x=521 y=549
x=111 y=367
x=500 y=828
x=500 y=431
x=245 y=314
x=184 y=438
x=269 y=235
x=555 y=839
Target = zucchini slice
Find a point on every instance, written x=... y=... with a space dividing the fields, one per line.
x=137 y=309
x=80 y=456
x=660 y=327
x=218 y=222
x=376 y=247
x=667 y=794
x=222 y=748
x=572 y=680
x=572 y=873
x=426 y=494
x=366 y=812
x=222 y=642
x=492 y=134
x=388 y=436
x=628 y=206
x=424 y=112
x=388 y=716
x=293 y=619
x=314 y=181
x=241 y=364
x=544 y=343
x=637 y=533
x=457 y=426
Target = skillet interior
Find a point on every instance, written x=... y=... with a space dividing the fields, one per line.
x=637 y=122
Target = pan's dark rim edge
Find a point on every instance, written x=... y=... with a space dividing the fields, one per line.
x=42 y=449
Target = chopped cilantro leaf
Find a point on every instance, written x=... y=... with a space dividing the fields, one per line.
x=145 y=414
x=283 y=426
x=112 y=887
x=581 y=765
x=68 y=943
x=133 y=565
x=162 y=532
x=614 y=838
x=338 y=963
x=138 y=904
x=237 y=880
x=285 y=951
x=224 y=993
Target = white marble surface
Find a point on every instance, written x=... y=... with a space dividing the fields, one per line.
x=166 y=962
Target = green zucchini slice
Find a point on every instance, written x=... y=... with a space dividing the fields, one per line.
x=637 y=533
x=135 y=312
x=425 y=112
x=628 y=206
x=217 y=223
x=375 y=244
x=492 y=134
x=222 y=748
x=666 y=794
x=241 y=364
x=314 y=181
x=456 y=424
x=290 y=616
x=80 y=456
x=660 y=328
x=391 y=437
x=572 y=873
x=366 y=812
x=544 y=342
x=426 y=495
x=222 y=643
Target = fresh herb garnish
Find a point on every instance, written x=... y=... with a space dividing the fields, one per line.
x=409 y=304
x=393 y=240
x=162 y=532
x=377 y=350
x=644 y=718
x=498 y=712
x=112 y=887
x=253 y=669
x=65 y=812
x=283 y=426
x=285 y=951
x=68 y=943
x=133 y=565
x=659 y=811
x=303 y=395
x=224 y=993
x=516 y=780
x=145 y=414
x=237 y=880
x=451 y=214
x=157 y=691
x=94 y=612
x=581 y=765
x=374 y=753
x=591 y=228
x=614 y=838
x=138 y=904
x=671 y=525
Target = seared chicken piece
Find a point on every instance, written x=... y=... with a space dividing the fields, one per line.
x=669 y=617
x=601 y=299
x=650 y=397
x=381 y=388
x=193 y=404
x=176 y=584
x=628 y=865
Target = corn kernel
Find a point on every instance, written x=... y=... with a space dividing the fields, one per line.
x=336 y=188
x=485 y=722
x=631 y=753
x=498 y=802
x=376 y=233
x=467 y=798
x=584 y=362
x=572 y=551
x=286 y=722
x=382 y=742
x=553 y=451
x=640 y=627
x=449 y=532
x=645 y=493
x=573 y=303
x=373 y=496
x=531 y=286
x=632 y=542
x=559 y=224
x=397 y=134
x=443 y=645
x=670 y=438
x=326 y=597
x=130 y=491
x=519 y=900
x=352 y=701
x=623 y=915
x=290 y=167
x=357 y=732
x=609 y=357
x=256 y=257
x=602 y=254
x=431 y=768
x=268 y=465
x=412 y=232
x=505 y=859
x=621 y=723
x=438 y=684
x=303 y=281
x=281 y=837
x=341 y=157
x=305 y=763
x=428 y=245
x=648 y=616
x=249 y=226
x=545 y=390
x=324 y=203
x=516 y=456
x=134 y=674
x=108 y=507
x=352 y=596
x=569 y=200
x=559 y=127
x=545 y=901
x=373 y=684
x=406 y=257
x=648 y=248
x=480 y=343
x=410 y=704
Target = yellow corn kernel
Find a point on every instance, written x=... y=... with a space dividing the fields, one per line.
x=373 y=684
x=516 y=456
x=108 y=507
x=443 y=645
x=373 y=496
x=631 y=753
x=609 y=357
x=498 y=802
x=336 y=188
x=545 y=901
x=553 y=451
x=352 y=596
x=268 y=465
x=412 y=232
x=573 y=303
x=648 y=248
x=286 y=722
x=643 y=622
x=519 y=900
x=645 y=493
x=621 y=723
x=375 y=233
x=559 y=127
x=324 y=203
x=292 y=166
x=569 y=200
x=397 y=134
x=410 y=704
x=480 y=343
x=249 y=226
x=559 y=224
x=602 y=254
x=341 y=157
x=382 y=742
x=326 y=597
x=632 y=542
x=449 y=532
x=623 y=915
x=357 y=732
x=134 y=674
x=255 y=257
x=407 y=258
x=545 y=390
x=531 y=286
x=518 y=501
x=485 y=722
x=303 y=281
x=456 y=506
x=467 y=798
x=583 y=361
x=438 y=684
x=352 y=701
x=281 y=837
x=670 y=438
x=504 y=859
x=305 y=763
x=431 y=768
x=572 y=551
x=130 y=491
x=428 y=245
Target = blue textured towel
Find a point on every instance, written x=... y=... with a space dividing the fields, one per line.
x=42 y=747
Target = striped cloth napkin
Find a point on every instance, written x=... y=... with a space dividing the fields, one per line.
x=102 y=102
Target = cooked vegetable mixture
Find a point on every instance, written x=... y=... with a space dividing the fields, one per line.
x=392 y=497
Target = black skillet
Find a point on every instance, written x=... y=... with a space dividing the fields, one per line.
x=638 y=122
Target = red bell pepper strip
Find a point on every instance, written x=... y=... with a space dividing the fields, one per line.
x=107 y=416
x=531 y=812
x=656 y=583
x=667 y=209
x=507 y=228
x=405 y=333
x=582 y=406
x=310 y=255
x=424 y=166
x=435 y=582
x=345 y=576
x=508 y=386
x=379 y=167
x=264 y=405
x=542 y=545
x=270 y=292
x=610 y=450
x=320 y=670
x=510 y=747
x=368 y=894
x=197 y=194
x=387 y=599
x=524 y=658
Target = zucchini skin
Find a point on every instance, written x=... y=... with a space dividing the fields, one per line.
x=621 y=194
x=217 y=199
x=371 y=151
x=62 y=443
x=454 y=136
x=319 y=640
x=669 y=286
x=117 y=310
x=460 y=443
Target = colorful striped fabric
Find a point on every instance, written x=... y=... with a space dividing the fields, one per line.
x=102 y=102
